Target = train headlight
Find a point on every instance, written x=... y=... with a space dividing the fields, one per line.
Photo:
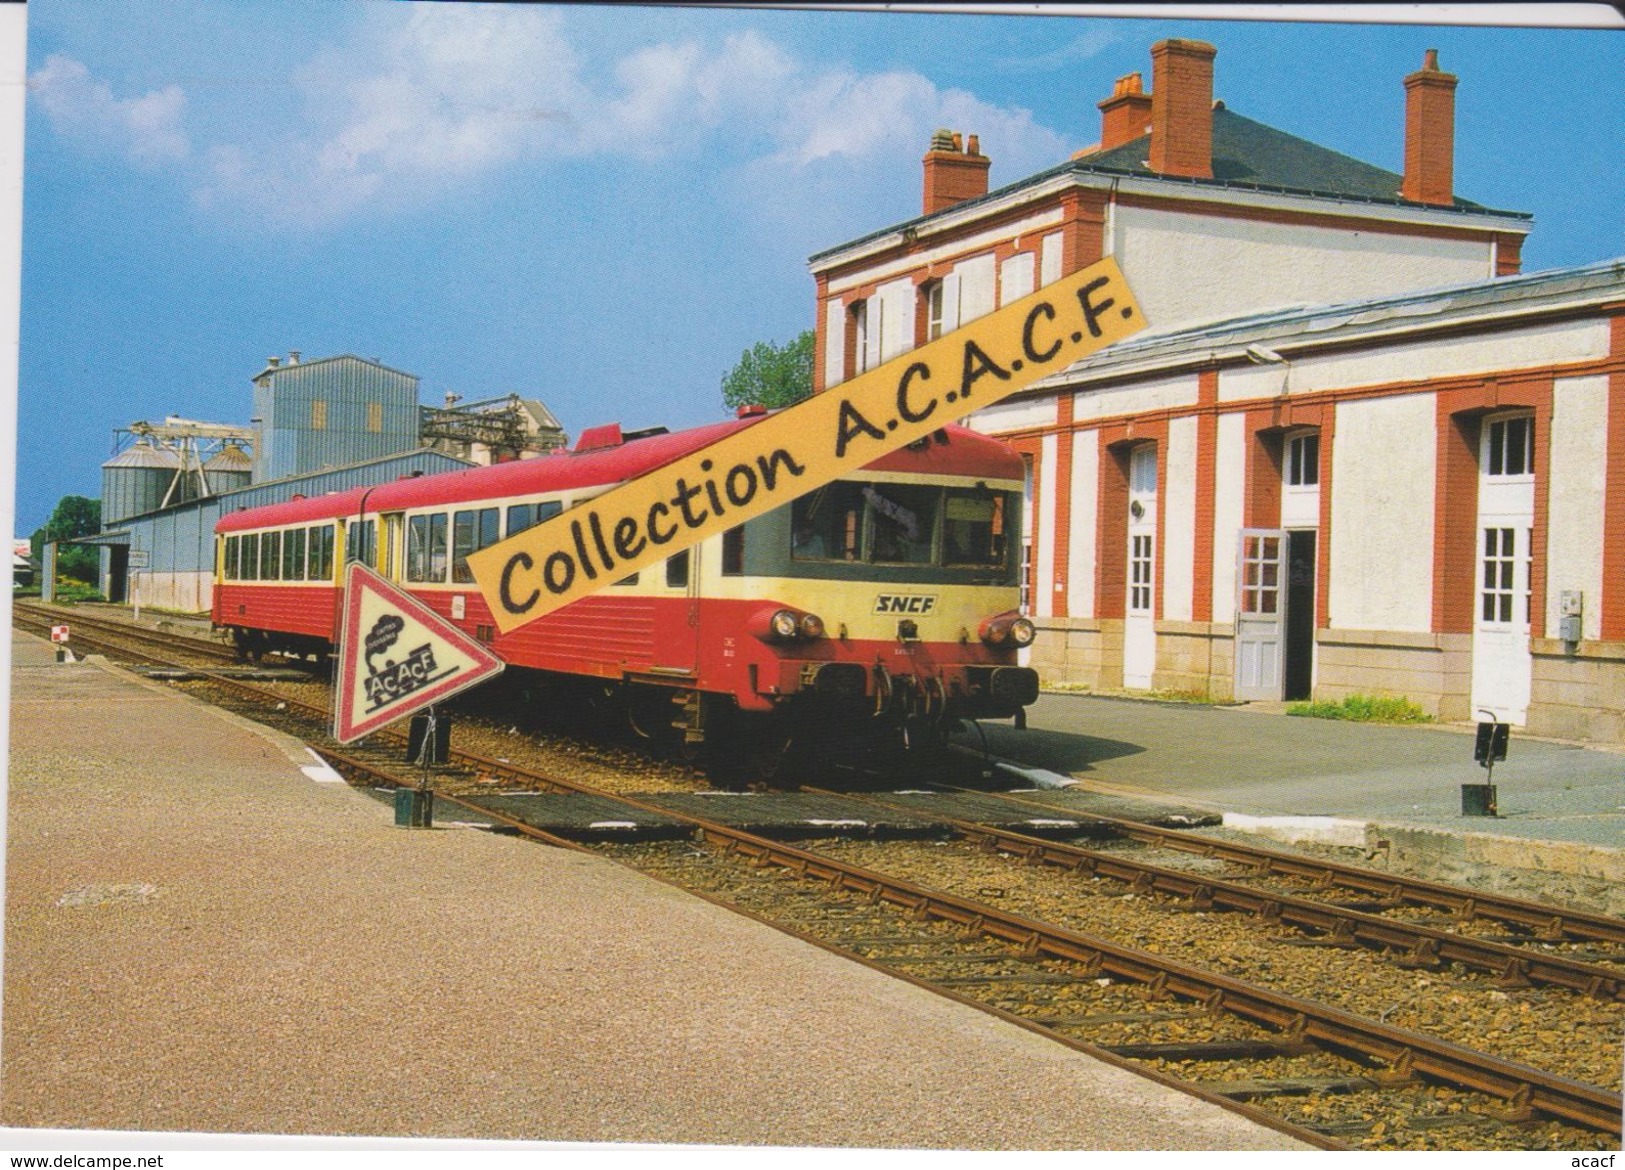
x=784 y=624
x=1008 y=629
x=812 y=626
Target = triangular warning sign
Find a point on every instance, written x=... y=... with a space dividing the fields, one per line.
x=396 y=655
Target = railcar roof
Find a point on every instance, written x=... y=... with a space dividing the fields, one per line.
x=965 y=453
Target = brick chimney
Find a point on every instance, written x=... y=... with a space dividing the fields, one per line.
x=1430 y=134
x=1182 y=108
x=952 y=174
x=1126 y=115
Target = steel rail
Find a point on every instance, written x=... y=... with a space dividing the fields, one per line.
x=1422 y=945
x=27 y=615
x=358 y=767
x=1527 y=1090
x=1547 y=922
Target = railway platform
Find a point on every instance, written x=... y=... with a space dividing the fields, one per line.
x=1393 y=792
x=205 y=935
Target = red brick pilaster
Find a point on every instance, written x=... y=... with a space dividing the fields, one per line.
x=1111 y=525
x=1455 y=510
x=1261 y=500
x=1083 y=229
x=1207 y=448
x=1061 y=574
x=1613 y=521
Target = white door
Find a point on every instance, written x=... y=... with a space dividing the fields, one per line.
x=1260 y=613
x=1506 y=517
x=1139 y=612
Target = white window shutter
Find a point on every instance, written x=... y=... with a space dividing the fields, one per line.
x=1016 y=278
x=834 y=343
x=876 y=312
x=950 y=302
x=977 y=277
x=1050 y=263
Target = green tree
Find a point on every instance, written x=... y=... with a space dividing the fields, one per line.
x=73 y=516
x=770 y=375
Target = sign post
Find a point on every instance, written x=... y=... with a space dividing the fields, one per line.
x=397 y=656
x=1490 y=745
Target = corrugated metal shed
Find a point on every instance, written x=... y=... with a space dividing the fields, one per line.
x=180 y=538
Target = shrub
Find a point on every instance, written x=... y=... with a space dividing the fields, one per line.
x=1365 y=709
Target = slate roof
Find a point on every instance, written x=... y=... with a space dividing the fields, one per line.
x=1247 y=155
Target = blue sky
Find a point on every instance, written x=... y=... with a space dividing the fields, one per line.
x=602 y=208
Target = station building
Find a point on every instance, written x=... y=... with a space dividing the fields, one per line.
x=1356 y=451
x=319 y=426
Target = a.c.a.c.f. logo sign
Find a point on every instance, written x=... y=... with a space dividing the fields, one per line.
x=397 y=656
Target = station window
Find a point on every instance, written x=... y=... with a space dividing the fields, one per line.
x=471 y=531
x=321 y=552
x=934 y=296
x=233 y=557
x=426 y=548
x=1511 y=447
x=293 y=555
x=270 y=555
x=1303 y=460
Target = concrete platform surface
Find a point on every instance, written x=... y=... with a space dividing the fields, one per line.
x=201 y=937
x=1561 y=806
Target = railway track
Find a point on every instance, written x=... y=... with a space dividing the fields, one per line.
x=1412 y=944
x=1254 y=1048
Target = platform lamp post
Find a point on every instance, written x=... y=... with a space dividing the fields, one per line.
x=1490 y=745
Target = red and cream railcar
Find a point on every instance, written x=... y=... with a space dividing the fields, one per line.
x=881 y=607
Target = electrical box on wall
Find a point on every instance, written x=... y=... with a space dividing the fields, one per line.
x=1570 y=614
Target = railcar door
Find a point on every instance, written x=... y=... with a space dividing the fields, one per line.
x=677 y=614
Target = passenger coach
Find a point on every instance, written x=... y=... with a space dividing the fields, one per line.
x=872 y=612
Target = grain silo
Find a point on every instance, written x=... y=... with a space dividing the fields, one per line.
x=136 y=480
x=230 y=468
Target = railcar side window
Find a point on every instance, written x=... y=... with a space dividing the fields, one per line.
x=973 y=529
x=471 y=531
x=677 y=570
x=251 y=557
x=733 y=552
x=321 y=552
x=828 y=524
x=426 y=548
x=523 y=516
x=270 y=554
x=233 y=556
x=903 y=521
x=293 y=555
x=359 y=544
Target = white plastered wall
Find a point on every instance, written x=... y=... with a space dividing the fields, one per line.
x=1230 y=464
x=1044 y=546
x=1080 y=581
x=1535 y=347
x=1269 y=264
x=1577 y=483
x=1150 y=394
x=1003 y=418
x=1179 y=520
x=1383 y=466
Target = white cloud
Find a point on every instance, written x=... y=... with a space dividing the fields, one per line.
x=420 y=101
x=147 y=129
